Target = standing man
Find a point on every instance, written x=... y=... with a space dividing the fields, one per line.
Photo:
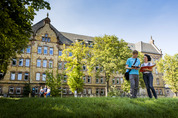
x=133 y=65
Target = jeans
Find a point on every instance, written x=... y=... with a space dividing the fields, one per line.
x=148 y=79
x=48 y=94
x=134 y=83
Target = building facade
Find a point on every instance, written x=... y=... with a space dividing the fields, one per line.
x=45 y=47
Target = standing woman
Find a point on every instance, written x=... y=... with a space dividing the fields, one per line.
x=148 y=76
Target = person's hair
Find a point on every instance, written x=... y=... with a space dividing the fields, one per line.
x=135 y=52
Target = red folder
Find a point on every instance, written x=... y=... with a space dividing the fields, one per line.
x=149 y=67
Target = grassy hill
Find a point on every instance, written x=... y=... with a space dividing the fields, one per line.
x=100 y=107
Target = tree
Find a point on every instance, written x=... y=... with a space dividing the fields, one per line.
x=16 y=18
x=169 y=66
x=110 y=55
x=75 y=56
x=126 y=84
x=54 y=82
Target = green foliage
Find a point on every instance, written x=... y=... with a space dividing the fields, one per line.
x=75 y=64
x=169 y=66
x=126 y=84
x=110 y=54
x=86 y=107
x=54 y=82
x=114 y=92
x=26 y=90
x=16 y=18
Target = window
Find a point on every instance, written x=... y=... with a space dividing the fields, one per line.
x=12 y=76
x=89 y=79
x=43 y=39
x=46 y=38
x=65 y=65
x=64 y=91
x=18 y=90
x=46 y=35
x=60 y=65
x=70 y=92
x=97 y=80
x=117 y=80
x=20 y=62
x=84 y=68
x=50 y=64
x=65 y=78
x=157 y=81
x=36 y=90
x=60 y=52
x=44 y=77
x=45 y=50
x=14 y=62
x=160 y=92
x=27 y=63
x=51 y=51
x=101 y=69
x=156 y=71
x=39 y=50
x=96 y=68
x=26 y=76
x=84 y=79
x=102 y=81
x=102 y=91
x=89 y=91
x=28 y=49
x=44 y=63
x=22 y=50
x=90 y=43
x=11 y=90
x=157 y=91
x=97 y=91
x=19 y=76
x=38 y=63
x=70 y=54
x=113 y=81
x=49 y=39
x=122 y=80
x=37 y=76
x=84 y=91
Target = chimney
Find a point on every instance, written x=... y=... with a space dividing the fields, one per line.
x=151 y=40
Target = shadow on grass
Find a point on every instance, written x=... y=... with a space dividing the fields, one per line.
x=100 y=107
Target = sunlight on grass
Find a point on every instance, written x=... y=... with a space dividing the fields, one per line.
x=89 y=107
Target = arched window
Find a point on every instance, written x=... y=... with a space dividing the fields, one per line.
x=157 y=81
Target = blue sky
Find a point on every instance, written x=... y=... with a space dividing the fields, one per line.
x=131 y=20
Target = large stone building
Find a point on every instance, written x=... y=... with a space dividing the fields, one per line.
x=46 y=44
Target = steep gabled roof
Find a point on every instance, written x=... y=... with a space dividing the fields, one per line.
x=68 y=38
x=63 y=37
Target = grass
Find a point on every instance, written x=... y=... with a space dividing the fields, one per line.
x=96 y=107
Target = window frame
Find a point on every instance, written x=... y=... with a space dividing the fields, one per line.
x=38 y=74
x=21 y=60
x=50 y=51
x=38 y=63
x=45 y=63
x=26 y=63
x=39 y=50
x=20 y=73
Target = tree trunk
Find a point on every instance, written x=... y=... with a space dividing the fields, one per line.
x=107 y=87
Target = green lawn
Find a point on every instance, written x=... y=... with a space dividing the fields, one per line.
x=96 y=107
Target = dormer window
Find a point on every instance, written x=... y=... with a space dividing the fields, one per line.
x=90 y=43
x=45 y=38
x=80 y=40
